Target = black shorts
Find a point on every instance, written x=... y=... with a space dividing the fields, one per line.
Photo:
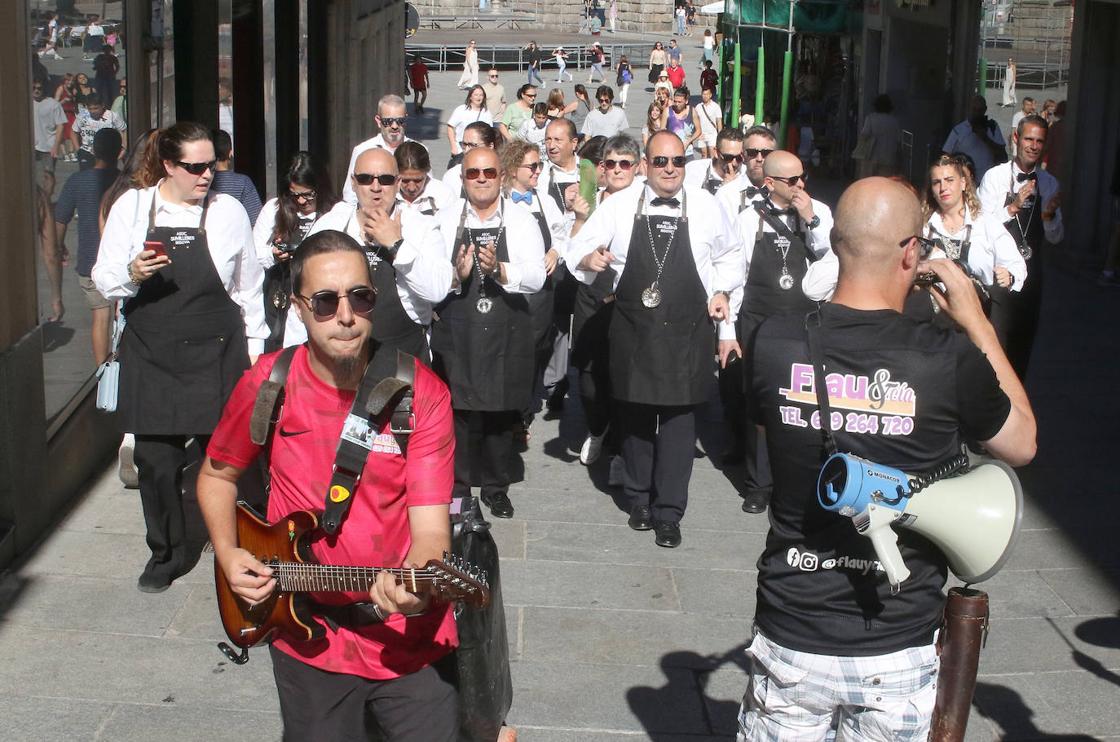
x=315 y=704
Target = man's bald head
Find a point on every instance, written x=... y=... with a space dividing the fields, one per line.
x=873 y=216
x=376 y=160
x=782 y=164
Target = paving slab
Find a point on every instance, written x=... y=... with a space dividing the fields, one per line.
x=1087 y=592
x=37 y=719
x=173 y=721
x=1055 y=705
x=579 y=585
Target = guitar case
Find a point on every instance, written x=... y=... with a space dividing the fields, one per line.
x=482 y=660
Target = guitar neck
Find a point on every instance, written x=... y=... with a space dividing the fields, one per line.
x=299 y=577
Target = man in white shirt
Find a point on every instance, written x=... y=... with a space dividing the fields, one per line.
x=679 y=266
x=750 y=186
x=978 y=137
x=86 y=126
x=50 y=123
x=606 y=120
x=405 y=254
x=482 y=345
x=1027 y=200
x=391 y=120
x=711 y=122
x=1027 y=109
x=725 y=165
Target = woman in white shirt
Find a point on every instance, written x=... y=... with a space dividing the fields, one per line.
x=181 y=258
x=473 y=109
x=281 y=226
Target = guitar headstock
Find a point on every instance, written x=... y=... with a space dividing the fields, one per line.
x=454 y=578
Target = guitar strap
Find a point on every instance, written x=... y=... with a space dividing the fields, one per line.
x=270 y=399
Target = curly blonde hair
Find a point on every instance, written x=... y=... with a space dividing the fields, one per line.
x=510 y=158
x=958 y=163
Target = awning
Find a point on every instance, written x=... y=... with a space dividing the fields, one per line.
x=712 y=8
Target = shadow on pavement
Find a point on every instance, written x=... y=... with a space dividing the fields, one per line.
x=664 y=712
x=1006 y=708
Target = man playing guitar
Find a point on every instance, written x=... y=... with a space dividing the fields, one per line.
x=383 y=651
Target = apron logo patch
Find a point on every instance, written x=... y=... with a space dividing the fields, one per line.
x=339 y=493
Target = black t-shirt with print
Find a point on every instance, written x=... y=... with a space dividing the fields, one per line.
x=905 y=394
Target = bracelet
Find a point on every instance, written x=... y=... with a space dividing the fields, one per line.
x=136 y=278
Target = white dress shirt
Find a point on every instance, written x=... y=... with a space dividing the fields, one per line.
x=377 y=142
x=698 y=172
x=229 y=237
x=552 y=174
x=991 y=247
x=716 y=249
x=423 y=276
x=453 y=179
x=748 y=224
x=730 y=194
x=553 y=217
x=433 y=198
x=524 y=271
x=1003 y=179
x=606 y=124
x=263 y=229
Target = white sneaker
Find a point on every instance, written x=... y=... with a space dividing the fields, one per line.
x=592 y=448
x=614 y=475
x=130 y=477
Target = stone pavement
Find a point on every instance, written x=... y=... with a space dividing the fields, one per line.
x=611 y=638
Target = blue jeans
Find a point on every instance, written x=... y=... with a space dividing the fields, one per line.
x=681 y=26
x=534 y=72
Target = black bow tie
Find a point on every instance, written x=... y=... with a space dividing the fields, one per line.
x=789 y=211
x=752 y=191
x=1026 y=176
x=712 y=185
x=665 y=202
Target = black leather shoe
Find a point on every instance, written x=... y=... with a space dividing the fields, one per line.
x=499 y=504
x=667 y=534
x=641 y=519
x=756 y=501
x=152 y=582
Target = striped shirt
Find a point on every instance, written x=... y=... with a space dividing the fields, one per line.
x=82 y=194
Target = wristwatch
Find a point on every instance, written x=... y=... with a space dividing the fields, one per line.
x=814 y=222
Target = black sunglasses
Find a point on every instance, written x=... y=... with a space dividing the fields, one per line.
x=487 y=173
x=197 y=168
x=605 y=100
x=365 y=179
x=393 y=121
x=612 y=164
x=730 y=158
x=752 y=153
x=925 y=245
x=533 y=166
x=662 y=161
x=792 y=180
x=302 y=195
x=324 y=304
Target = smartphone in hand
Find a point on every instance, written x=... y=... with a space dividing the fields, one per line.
x=157 y=247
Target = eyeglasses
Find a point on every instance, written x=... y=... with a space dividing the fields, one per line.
x=792 y=179
x=324 y=304
x=394 y=121
x=730 y=158
x=605 y=100
x=302 y=195
x=621 y=164
x=530 y=95
x=471 y=145
x=925 y=245
x=752 y=153
x=663 y=161
x=487 y=173
x=365 y=179
x=533 y=166
x=493 y=77
x=197 y=168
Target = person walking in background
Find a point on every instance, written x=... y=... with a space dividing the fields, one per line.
x=709 y=47
x=1027 y=110
x=1009 y=84
x=879 y=137
x=225 y=180
x=612 y=14
x=225 y=105
x=473 y=109
x=469 y=78
x=598 y=57
x=682 y=20
x=623 y=78
x=495 y=95
x=105 y=68
x=533 y=57
x=656 y=62
x=120 y=103
x=558 y=108
x=561 y=58
x=418 y=80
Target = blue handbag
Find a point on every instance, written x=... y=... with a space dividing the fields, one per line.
x=109 y=373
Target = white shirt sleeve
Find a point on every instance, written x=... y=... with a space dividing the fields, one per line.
x=993 y=192
x=820 y=279
x=262 y=233
x=727 y=269
x=820 y=238
x=110 y=272
x=525 y=273
x=248 y=278
x=598 y=231
x=1004 y=251
x=420 y=260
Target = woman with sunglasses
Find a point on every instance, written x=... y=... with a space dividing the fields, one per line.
x=283 y=223
x=181 y=258
x=473 y=109
x=409 y=271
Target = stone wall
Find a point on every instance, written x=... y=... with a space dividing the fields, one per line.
x=635 y=16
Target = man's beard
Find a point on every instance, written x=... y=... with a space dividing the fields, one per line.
x=346 y=366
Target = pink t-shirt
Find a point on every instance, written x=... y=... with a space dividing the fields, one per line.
x=375 y=532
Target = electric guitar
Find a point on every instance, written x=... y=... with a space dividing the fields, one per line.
x=284 y=547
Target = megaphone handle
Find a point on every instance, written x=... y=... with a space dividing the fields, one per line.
x=885 y=541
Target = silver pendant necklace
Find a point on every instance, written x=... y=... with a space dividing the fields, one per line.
x=484 y=303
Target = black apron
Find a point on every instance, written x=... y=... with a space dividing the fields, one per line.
x=661 y=355
x=391 y=325
x=711 y=181
x=277 y=290
x=541 y=304
x=486 y=359
x=1015 y=314
x=764 y=295
x=183 y=348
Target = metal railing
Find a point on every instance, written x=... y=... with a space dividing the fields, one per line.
x=1041 y=76
x=443 y=57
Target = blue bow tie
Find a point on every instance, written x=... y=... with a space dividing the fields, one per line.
x=519 y=198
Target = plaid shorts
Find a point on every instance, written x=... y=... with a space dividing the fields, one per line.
x=800 y=696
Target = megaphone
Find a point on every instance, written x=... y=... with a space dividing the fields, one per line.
x=972 y=517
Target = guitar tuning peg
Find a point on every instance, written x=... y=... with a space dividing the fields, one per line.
x=446 y=556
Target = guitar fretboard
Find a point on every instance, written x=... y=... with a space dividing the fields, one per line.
x=295 y=577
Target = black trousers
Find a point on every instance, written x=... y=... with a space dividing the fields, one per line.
x=595 y=394
x=160 y=460
x=319 y=705
x=483 y=447
x=734 y=401
x=658 y=445
x=1015 y=317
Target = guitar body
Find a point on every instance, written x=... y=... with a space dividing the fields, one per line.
x=282 y=612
